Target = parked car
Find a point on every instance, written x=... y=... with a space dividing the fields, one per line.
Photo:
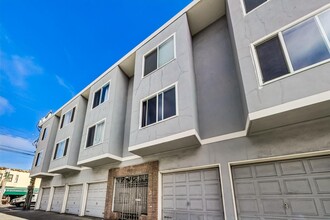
x=20 y=201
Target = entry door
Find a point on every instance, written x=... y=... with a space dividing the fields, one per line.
x=74 y=200
x=44 y=199
x=287 y=189
x=57 y=199
x=192 y=195
x=96 y=199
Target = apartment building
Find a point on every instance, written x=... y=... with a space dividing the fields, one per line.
x=222 y=113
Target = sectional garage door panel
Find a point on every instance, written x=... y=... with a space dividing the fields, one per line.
x=288 y=189
x=57 y=199
x=74 y=200
x=44 y=199
x=96 y=199
x=192 y=195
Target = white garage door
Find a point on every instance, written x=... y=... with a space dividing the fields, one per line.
x=96 y=199
x=74 y=200
x=57 y=199
x=288 y=189
x=192 y=195
x=44 y=198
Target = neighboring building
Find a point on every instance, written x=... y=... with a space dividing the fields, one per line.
x=17 y=182
x=222 y=113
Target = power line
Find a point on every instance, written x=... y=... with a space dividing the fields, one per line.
x=16 y=151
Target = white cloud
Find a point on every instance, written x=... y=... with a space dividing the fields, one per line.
x=67 y=86
x=18 y=68
x=8 y=141
x=5 y=106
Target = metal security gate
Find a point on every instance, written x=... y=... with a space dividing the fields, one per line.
x=286 y=189
x=131 y=196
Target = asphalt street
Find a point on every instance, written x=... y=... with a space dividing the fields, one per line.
x=17 y=213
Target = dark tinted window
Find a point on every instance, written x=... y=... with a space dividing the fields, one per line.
x=252 y=4
x=72 y=115
x=169 y=103
x=150 y=62
x=305 y=44
x=90 y=136
x=144 y=113
x=96 y=100
x=151 y=114
x=160 y=106
x=105 y=91
x=271 y=59
x=44 y=134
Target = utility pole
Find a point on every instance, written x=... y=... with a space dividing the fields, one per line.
x=29 y=194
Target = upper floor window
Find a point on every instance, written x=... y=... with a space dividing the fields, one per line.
x=296 y=48
x=38 y=159
x=68 y=117
x=61 y=149
x=44 y=134
x=252 y=4
x=10 y=178
x=159 y=107
x=95 y=134
x=159 y=56
x=101 y=95
x=16 y=179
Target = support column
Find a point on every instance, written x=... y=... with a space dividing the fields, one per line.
x=83 y=199
x=65 y=199
x=37 y=206
x=50 y=199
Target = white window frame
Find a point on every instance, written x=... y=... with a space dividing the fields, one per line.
x=39 y=160
x=101 y=88
x=71 y=109
x=157 y=48
x=278 y=33
x=244 y=8
x=174 y=85
x=54 y=151
x=102 y=137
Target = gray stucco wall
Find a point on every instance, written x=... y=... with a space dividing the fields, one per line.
x=72 y=131
x=180 y=71
x=46 y=145
x=218 y=94
x=308 y=137
x=128 y=118
x=259 y=23
x=111 y=111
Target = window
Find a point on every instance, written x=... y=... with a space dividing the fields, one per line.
x=68 y=117
x=10 y=178
x=159 y=107
x=16 y=179
x=61 y=149
x=95 y=134
x=252 y=4
x=38 y=159
x=101 y=95
x=295 y=48
x=44 y=134
x=159 y=56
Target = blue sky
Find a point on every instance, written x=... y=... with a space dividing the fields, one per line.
x=50 y=50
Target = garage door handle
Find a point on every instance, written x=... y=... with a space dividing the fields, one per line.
x=286 y=205
x=167 y=216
